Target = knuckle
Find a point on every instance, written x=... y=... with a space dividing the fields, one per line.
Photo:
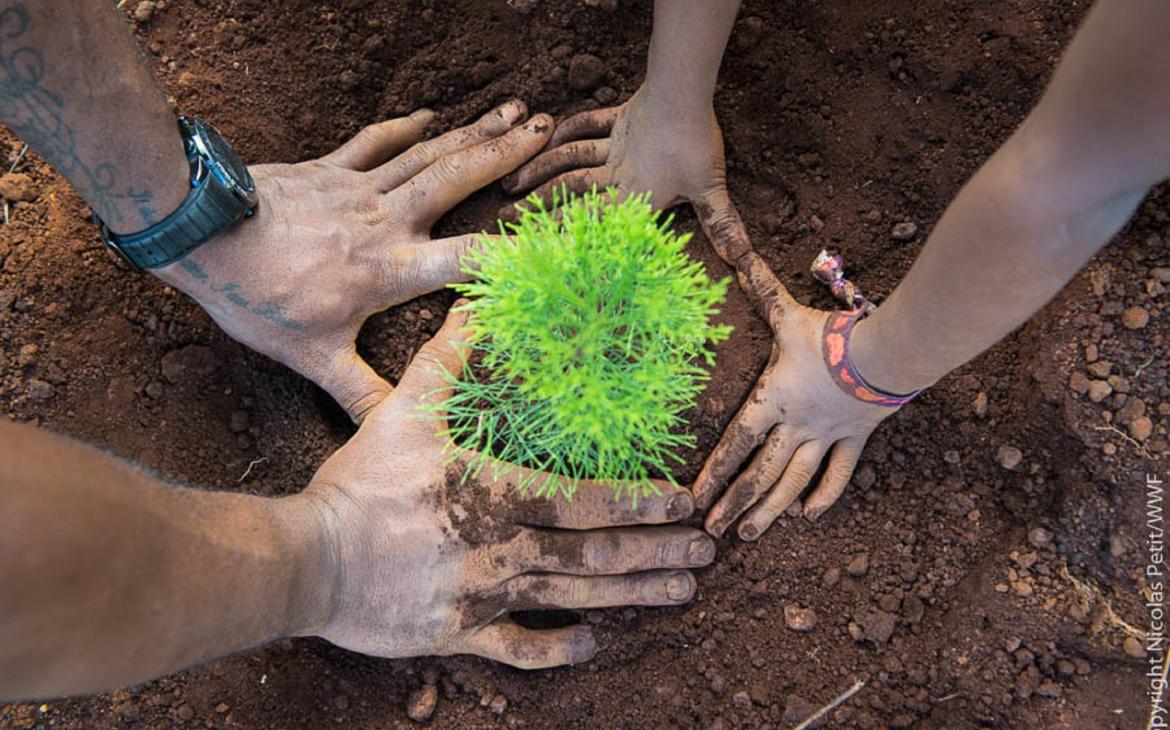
x=448 y=169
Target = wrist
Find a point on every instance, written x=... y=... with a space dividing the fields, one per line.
x=308 y=537
x=872 y=357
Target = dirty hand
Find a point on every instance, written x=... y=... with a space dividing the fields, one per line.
x=426 y=565
x=339 y=238
x=797 y=416
x=647 y=144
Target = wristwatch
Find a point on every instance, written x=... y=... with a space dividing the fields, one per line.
x=222 y=192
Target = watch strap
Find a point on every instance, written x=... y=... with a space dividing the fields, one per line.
x=208 y=209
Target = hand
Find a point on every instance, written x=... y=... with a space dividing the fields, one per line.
x=426 y=565
x=796 y=415
x=337 y=239
x=646 y=144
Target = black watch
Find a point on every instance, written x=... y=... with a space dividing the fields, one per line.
x=222 y=192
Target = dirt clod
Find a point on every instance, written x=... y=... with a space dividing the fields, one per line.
x=17 y=187
x=586 y=72
x=421 y=704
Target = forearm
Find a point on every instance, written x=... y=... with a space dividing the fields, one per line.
x=113 y=578
x=74 y=87
x=1055 y=193
x=686 y=49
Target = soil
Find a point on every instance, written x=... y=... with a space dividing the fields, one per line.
x=964 y=592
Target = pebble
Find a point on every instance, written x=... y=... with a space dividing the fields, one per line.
x=904 y=231
x=979 y=405
x=1100 y=369
x=186 y=712
x=426 y=314
x=499 y=704
x=17 y=187
x=799 y=619
x=585 y=72
x=859 y=566
x=1038 y=537
x=1141 y=428
x=1009 y=457
x=1078 y=382
x=1133 y=647
x=145 y=11
x=878 y=626
x=1099 y=390
x=1135 y=318
x=606 y=95
x=815 y=223
x=741 y=699
x=831 y=577
x=421 y=704
x=39 y=391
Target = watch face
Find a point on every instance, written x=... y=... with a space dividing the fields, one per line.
x=222 y=158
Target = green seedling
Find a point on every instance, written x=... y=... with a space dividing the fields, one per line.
x=590 y=336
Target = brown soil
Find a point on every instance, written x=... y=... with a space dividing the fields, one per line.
x=842 y=119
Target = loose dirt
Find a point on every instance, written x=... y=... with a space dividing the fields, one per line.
x=965 y=582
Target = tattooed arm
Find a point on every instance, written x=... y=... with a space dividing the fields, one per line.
x=73 y=87
x=333 y=240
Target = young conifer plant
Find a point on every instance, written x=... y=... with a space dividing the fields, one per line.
x=590 y=333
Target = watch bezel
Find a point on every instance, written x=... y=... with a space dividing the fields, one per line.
x=200 y=135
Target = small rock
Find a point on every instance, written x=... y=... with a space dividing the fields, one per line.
x=831 y=577
x=1048 y=688
x=499 y=704
x=1133 y=647
x=878 y=626
x=815 y=223
x=1038 y=537
x=904 y=231
x=1141 y=428
x=186 y=712
x=221 y=708
x=1100 y=369
x=1009 y=457
x=859 y=566
x=426 y=314
x=421 y=704
x=606 y=95
x=1135 y=318
x=17 y=187
x=741 y=699
x=1078 y=382
x=39 y=391
x=979 y=405
x=145 y=11
x=865 y=476
x=585 y=72
x=799 y=619
x=1099 y=390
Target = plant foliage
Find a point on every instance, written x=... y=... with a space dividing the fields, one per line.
x=589 y=335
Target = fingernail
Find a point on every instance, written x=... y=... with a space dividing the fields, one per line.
x=512 y=111
x=680 y=507
x=748 y=531
x=701 y=551
x=583 y=649
x=423 y=116
x=813 y=513
x=538 y=124
x=679 y=587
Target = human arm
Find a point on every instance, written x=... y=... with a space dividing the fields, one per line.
x=332 y=241
x=113 y=577
x=666 y=139
x=1057 y=191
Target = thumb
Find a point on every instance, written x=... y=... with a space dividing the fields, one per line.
x=507 y=642
x=353 y=383
x=728 y=236
x=442 y=354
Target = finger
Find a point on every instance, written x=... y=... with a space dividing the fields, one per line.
x=453 y=177
x=796 y=477
x=491 y=125
x=375 y=144
x=552 y=591
x=593 y=123
x=606 y=552
x=575 y=182
x=594 y=504
x=507 y=642
x=413 y=269
x=770 y=298
x=842 y=462
x=351 y=382
x=745 y=432
x=586 y=153
x=425 y=377
x=765 y=468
